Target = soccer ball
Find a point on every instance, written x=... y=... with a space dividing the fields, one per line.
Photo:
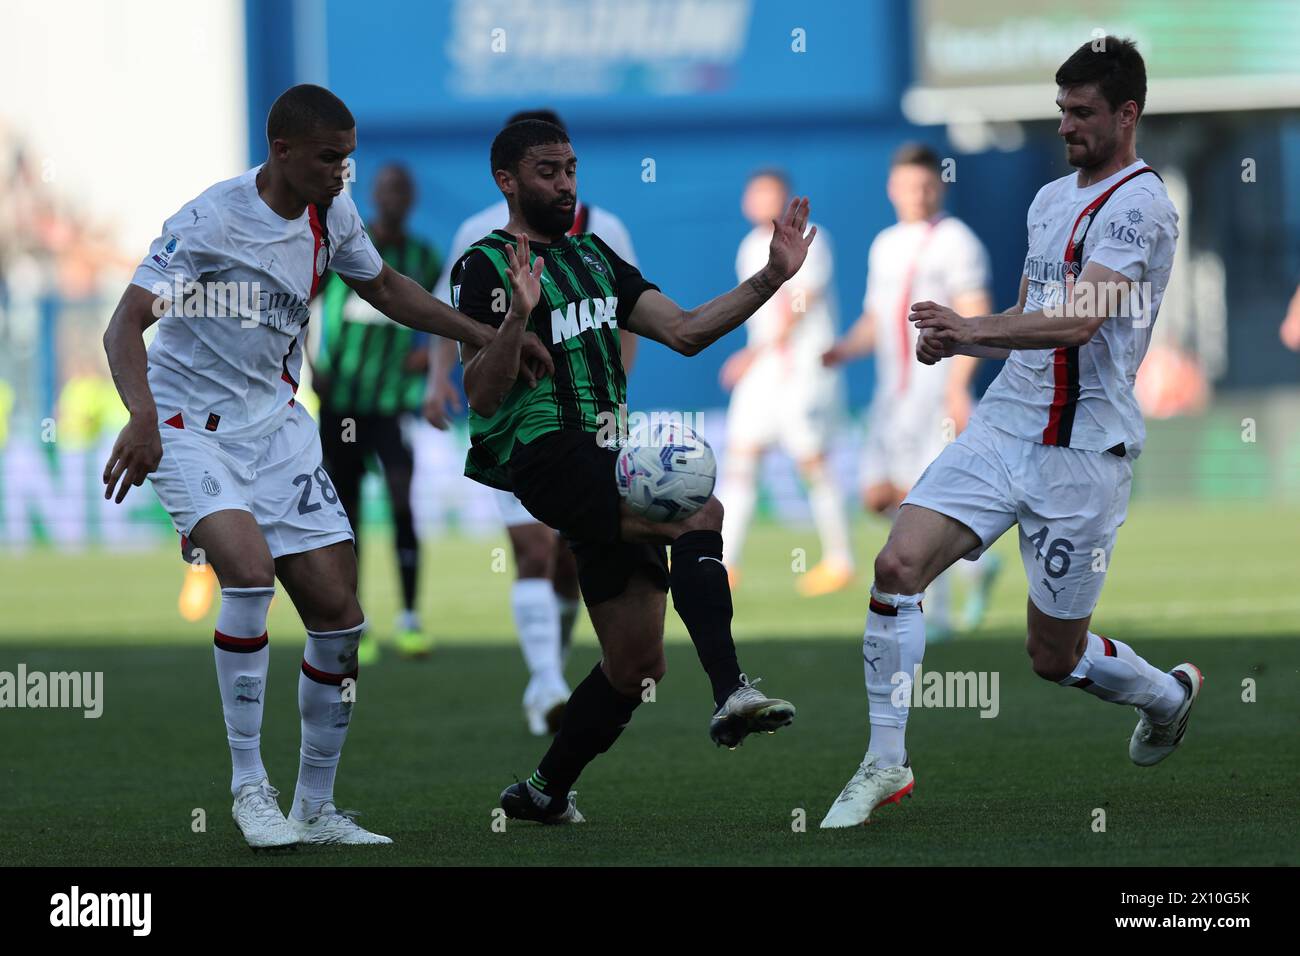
x=668 y=474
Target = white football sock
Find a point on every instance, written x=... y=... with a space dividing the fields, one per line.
x=894 y=643
x=537 y=619
x=239 y=645
x=741 y=494
x=1112 y=671
x=325 y=704
x=829 y=516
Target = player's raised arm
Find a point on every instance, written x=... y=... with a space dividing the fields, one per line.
x=689 y=331
x=138 y=448
x=491 y=372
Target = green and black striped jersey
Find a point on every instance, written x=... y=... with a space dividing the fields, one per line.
x=361 y=361
x=587 y=294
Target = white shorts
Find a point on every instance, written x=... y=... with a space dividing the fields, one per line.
x=512 y=510
x=901 y=442
x=796 y=412
x=1069 y=504
x=278 y=479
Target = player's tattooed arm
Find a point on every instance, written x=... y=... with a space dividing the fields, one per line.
x=491 y=372
x=138 y=448
x=689 y=331
x=408 y=303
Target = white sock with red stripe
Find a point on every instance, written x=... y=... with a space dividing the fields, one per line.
x=1112 y=671
x=239 y=645
x=894 y=643
x=325 y=703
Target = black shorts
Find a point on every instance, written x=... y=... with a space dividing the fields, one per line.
x=566 y=480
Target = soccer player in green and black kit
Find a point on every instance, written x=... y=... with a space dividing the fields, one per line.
x=369 y=373
x=542 y=443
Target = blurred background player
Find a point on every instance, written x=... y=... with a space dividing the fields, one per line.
x=782 y=393
x=916 y=408
x=545 y=597
x=369 y=373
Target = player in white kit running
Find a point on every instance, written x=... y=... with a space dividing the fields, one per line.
x=917 y=409
x=544 y=598
x=233 y=457
x=1051 y=446
x=783 y=395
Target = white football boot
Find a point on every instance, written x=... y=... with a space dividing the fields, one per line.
x=331 y=825
x=1152 y=742
x=748 y=711
x=544 y=702
x=869 y=788
x=259 y=818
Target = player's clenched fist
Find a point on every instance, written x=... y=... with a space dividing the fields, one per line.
x=136 y=454
x=789 y=245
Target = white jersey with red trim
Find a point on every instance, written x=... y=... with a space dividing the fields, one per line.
x=228 y=352
x=1083 y=397
x=932 y=260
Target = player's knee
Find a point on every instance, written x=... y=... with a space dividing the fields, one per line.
x=249 y=573
x=896 y=572
x=632 y=674
x=334 y=609
x=1049 y=662
x=708 y=518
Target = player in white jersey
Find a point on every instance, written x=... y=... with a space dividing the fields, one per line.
x=782 y=394
x=917 y=409
x=1051 y=446
x=544 y=597
x=235 y=460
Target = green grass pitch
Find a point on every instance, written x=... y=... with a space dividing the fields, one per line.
x=433 y=742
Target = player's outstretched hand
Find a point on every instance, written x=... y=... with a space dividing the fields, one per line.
x=135 y=455
x=789 y=245
x=525 y=282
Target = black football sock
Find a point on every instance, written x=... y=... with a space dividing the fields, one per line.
x=593 y=719
x=702 y=599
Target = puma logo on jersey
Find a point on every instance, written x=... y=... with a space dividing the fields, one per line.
x=1055 y=591
x=581 y=316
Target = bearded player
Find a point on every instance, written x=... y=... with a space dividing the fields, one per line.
x=544 y=444
x=544 y=597
x=1052 y=444
x=236 y=461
